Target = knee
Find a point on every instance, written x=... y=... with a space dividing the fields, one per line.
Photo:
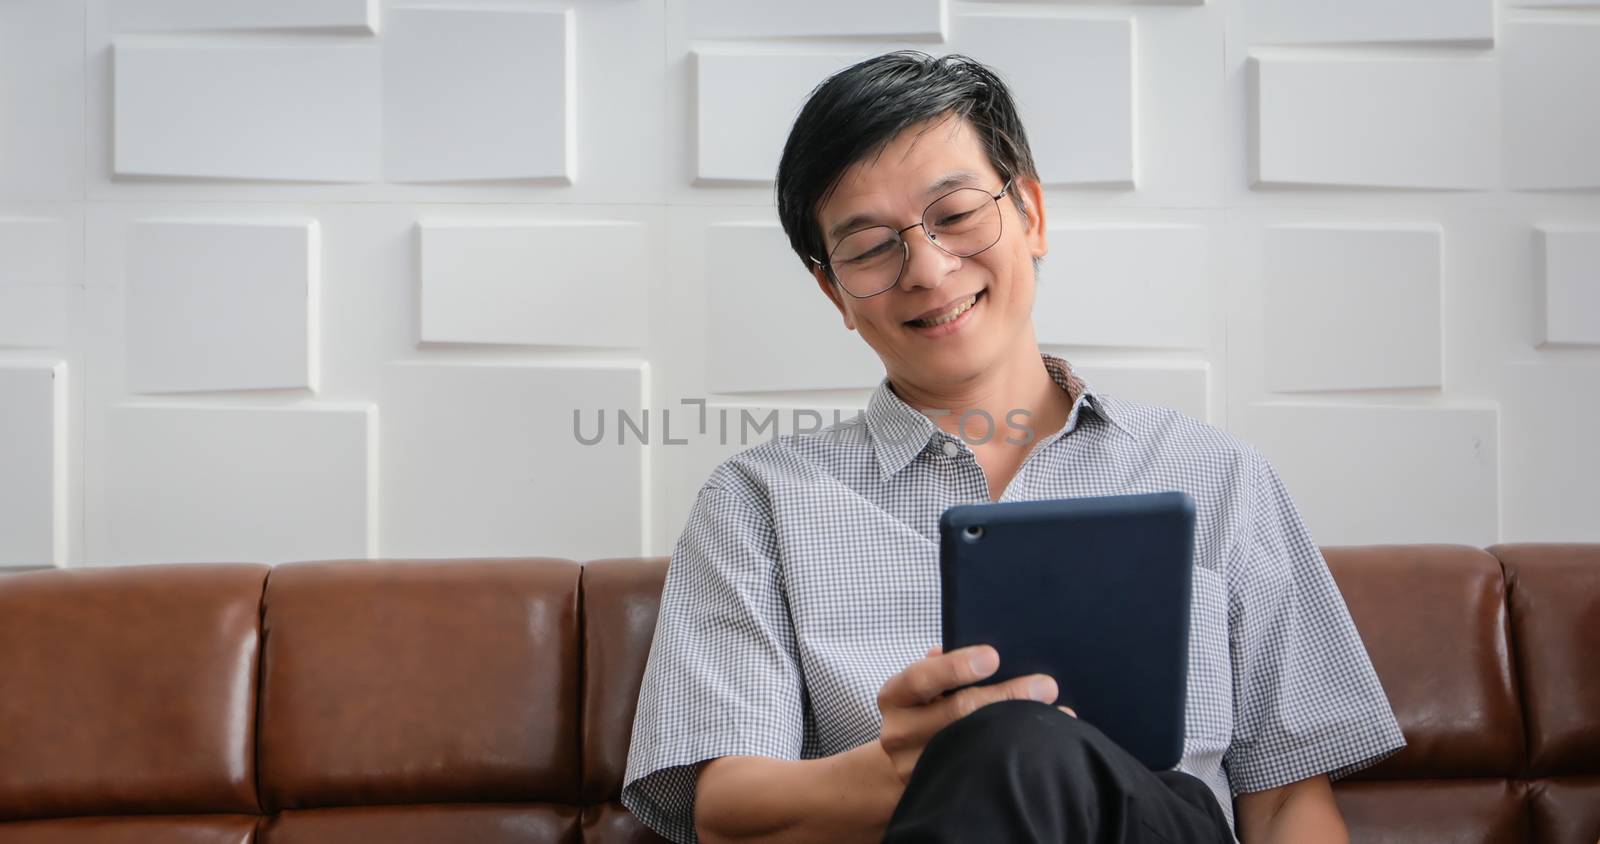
x=1015 y=733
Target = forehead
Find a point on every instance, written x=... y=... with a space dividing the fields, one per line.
x=918 y=157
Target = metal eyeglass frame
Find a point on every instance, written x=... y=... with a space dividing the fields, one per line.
x=905 y=245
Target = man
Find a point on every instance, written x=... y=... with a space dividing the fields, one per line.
x=796 y=689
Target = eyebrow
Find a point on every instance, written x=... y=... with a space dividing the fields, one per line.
x=945 y=182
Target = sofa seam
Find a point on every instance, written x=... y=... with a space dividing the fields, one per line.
x=583 y=693
x=261 y=687
x=1518 y=672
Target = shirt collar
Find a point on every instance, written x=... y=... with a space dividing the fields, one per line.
x=899 y=432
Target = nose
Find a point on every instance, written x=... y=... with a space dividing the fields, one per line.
x=926 y=264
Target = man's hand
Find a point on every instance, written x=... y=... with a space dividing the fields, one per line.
x=914 y=704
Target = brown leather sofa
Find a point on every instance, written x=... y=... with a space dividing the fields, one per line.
x=490 y=700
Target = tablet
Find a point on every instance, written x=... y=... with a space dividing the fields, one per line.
x=1091 y=591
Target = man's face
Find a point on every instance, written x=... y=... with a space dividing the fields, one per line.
x=892 y=190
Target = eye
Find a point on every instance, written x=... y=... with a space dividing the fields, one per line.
x=866 y=246
x=872 y=253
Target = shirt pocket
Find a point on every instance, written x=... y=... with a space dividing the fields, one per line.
x=1208 y=707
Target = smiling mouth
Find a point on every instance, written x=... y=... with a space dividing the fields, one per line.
x=950 y=315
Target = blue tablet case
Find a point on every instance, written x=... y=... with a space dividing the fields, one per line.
x=1091 y=591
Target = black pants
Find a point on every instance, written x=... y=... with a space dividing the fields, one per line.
x=1025 y=771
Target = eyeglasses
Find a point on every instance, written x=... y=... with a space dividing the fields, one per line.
x=869 y=261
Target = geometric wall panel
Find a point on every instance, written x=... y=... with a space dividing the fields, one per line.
x=1569 y=279
x=1437 y=468
x=186 y=484
x=1183 y=389
x=1073 y=81
x=483 y=459
x=33 y=463
x=746 y=105
x=42 y=97
x=36 y=316
x=183 y=15
x=1551 y=455
x=1352 y=308
x=1551 y=78
x=560 y=282
x=769 y=327
x=37 y=281
x=479 y=94
x=1129 y=286
x=744 y=19
x=34 y=251
x=285 y=112
x=222 y=305
x=1402 y=123
x=1351 y=21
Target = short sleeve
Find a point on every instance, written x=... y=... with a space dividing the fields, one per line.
x=1306 y=698
x=723 y=676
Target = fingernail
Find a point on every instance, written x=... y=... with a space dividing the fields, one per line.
x=1044 y=690
x=981 y=662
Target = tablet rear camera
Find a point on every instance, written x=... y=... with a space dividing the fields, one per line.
x=972 y=533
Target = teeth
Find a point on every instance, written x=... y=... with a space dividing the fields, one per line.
x=957 y=311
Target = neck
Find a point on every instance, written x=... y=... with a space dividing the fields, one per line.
x=1017 y=393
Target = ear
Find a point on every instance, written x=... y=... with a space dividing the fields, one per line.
x=833 y=294
x=1032 y=195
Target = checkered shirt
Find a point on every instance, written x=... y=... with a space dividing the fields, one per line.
x=808 y=574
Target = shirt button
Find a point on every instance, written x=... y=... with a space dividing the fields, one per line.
x=951 y=449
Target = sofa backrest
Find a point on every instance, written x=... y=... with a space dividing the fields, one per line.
x=492 y=700
x=1491 y=660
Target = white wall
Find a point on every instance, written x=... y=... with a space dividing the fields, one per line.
x=284 y=280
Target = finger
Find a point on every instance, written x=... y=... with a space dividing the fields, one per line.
x=934 y=651
x=1069 y=710
x=931 y=677
x=1036 y=687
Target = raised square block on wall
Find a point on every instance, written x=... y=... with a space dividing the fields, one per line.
x=1569 y=283
x=769 y=327
x=33 y=463
x=1181 y=388
x=475 y=94
x=1129 y=286
x=746 y=106
x=1551 y=85
x=192 y=15
x=486 y=460
x=39 y=281
x=1074 y=85
x=247 y=111
x=222 y=305
x=557 y=282
x=1417 y=123
x=921 y=19
x=1371 y=475
x=208 y=484
x=35 y=251
x=1352 y=308
x=36 y=317
x=1551 y=453
x=1371 y=21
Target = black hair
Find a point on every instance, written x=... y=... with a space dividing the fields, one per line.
x=858 y=111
